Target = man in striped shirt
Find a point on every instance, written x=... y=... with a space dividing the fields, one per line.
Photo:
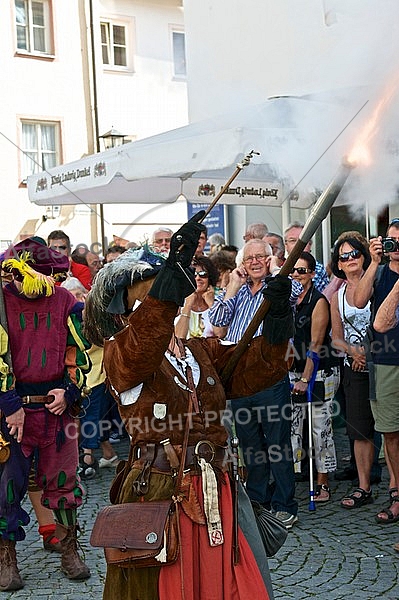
x=263 y=421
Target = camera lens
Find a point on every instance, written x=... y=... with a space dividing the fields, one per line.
x=389 y=245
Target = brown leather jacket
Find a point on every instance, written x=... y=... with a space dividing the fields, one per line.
x=136 y=355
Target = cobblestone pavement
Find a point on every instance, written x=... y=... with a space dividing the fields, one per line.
x=331 y=553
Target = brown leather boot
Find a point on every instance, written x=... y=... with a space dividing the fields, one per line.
x=71 y=563
x=10 y=579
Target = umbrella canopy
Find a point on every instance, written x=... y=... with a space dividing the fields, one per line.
x=290 y=133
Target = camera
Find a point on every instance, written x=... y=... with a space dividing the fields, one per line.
x=390 y=245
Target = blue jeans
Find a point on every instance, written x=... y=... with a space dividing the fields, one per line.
x=263 y=426
x=98 y=417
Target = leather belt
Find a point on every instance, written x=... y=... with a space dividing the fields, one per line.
x=216 y=455
x=38 y=399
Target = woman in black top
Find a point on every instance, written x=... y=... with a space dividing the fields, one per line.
x=312 y=327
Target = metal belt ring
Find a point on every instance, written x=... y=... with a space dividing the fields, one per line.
x=209 y=445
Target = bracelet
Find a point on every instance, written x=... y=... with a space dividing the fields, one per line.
x=185 y=315
x=304 y=380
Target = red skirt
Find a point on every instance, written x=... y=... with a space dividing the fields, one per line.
x=204 y=572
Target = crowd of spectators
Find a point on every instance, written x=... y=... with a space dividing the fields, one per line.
x=344 y=351
x=230 y=284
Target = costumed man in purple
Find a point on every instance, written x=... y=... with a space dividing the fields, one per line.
x=37 y=401
x=155 y=379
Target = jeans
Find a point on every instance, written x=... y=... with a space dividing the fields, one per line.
x=98 y=417
x=263 y=426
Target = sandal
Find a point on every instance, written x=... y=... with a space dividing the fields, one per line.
x=391 y=518
x=86 y=470
x=393 y=493
x=322 y=494
x=359 y=497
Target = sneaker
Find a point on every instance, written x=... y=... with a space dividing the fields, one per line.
x=114 y=437
x=108 y=462
x=286 y=518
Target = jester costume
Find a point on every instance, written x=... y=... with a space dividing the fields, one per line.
x=48 y=353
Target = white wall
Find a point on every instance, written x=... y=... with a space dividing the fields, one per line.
x=149 y=99
x=261 y=48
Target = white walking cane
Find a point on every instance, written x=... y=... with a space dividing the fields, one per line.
x=315 y=358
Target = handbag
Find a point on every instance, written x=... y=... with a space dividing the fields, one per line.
x=318 y=395
x=272 y=531
x=139 y=534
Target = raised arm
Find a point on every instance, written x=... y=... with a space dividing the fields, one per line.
x=387 y=316
x=364 y=289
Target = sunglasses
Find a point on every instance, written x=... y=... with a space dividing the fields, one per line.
x=202 y=274
x=394 y=222
x=58 y=247
x=345 y=256
x=301 y=270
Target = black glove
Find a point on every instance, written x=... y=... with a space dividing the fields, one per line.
x=185 y=241
x=278 y=324
x=176 y=279
x=278 y=292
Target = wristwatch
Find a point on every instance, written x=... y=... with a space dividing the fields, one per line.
x=304 y=380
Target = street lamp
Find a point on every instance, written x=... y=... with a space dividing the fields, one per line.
x=112 y=138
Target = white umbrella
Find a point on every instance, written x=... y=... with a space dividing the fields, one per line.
x=290 y=133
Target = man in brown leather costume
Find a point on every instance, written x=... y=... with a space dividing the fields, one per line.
x=149 y=373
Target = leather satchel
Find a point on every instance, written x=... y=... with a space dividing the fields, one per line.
x=141 y=534
x=137 y=534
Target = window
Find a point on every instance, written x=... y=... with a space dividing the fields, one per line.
x=114 y=44
x=33 y=26
x=179 y=54
x=40 y=145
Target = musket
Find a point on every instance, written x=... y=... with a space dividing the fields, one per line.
x=317 y=215
x=239 y=167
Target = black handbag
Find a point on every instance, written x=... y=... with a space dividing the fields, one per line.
x=318 y=395
x=272 y=531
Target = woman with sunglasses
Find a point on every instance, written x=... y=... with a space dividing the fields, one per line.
x=193 y=320
x=312 y=326
x=350 y=259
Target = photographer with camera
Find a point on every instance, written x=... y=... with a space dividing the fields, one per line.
x=375 y=285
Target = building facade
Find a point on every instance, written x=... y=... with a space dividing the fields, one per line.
x=71 y=71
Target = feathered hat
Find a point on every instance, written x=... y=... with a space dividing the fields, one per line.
x=107 y=300
x=35 y=265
